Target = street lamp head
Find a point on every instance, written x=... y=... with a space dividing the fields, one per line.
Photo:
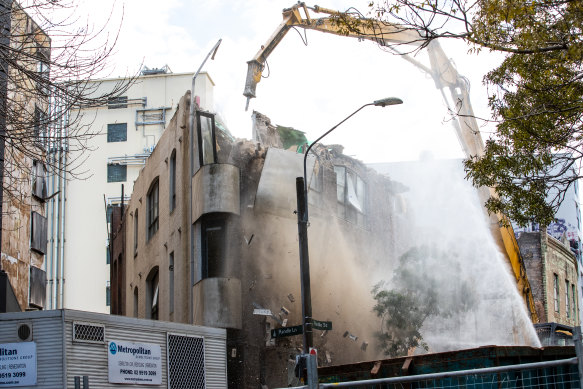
x=388 y=101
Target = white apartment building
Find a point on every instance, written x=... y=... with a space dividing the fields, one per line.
x=127 y=130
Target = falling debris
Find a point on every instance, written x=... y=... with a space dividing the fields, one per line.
x=346 y=334
x=252 y=285
x=364 y=346
x=248 y=240
x=291 y=297
x=353 y=337
x=328 y=357
x=233 y=352
x=284 y=323
x=284 y=310
x=323 y=334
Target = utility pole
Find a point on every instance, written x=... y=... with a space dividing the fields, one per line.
x=304 y=265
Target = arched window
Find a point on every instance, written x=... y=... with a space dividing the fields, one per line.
x=152 y=294
x=172 y=191
x=152 y=214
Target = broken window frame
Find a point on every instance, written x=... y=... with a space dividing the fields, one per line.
x=349 y=186
x=152 y=210
x=206 y=146
x=39 y=177
x=117 y=132
x=215 y=244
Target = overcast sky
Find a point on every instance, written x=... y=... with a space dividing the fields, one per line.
x=310 y=88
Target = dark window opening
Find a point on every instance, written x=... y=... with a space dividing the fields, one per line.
x=152 y=214
x=173 y=181
x=117 y=132
x=108 y=294
x=40 y=126
x=136 y=233
x=38 y=233
x=171 y=283
x=206 y=138
x=152 y=294
x=117 y=173
x=213 y=246
x=136 y=302
x=117 y=102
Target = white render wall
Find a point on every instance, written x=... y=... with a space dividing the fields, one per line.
x=85 y=271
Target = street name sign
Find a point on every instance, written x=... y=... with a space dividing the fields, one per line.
x=287 y=331
x=322 y=325
x=263 y=312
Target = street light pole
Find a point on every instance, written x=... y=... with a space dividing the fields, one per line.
x=302 y=211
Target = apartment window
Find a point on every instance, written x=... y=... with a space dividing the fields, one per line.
x=117 y=132
x=574 y=300
x=38 y=233
x=152 y=294
x=38 y=287
x=152 y=204
x=172 y=181
x=350 y=194
x=43 y=70
x=117 y=173
x=136 y=233
x=117 y=102
x=206 y=138
x=108 y=294
x=171 y=282
x=567 y=308
x=556 y=292
x=40 y=124
x=213 y=240
x=39 y=177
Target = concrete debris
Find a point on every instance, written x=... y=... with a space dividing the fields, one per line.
x=252 y=285
x=291 y=297
x=233 y=352
x=285 y=311
x=364 y=346
x=284 y=323
x=264 y=132
x=248 y=241
x=353 y=337
x=345 y=334
x=328 y=357
x=323 y=334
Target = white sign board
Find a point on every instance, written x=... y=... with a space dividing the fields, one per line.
x=134 y=363
x=17 y=364
x=264 y=312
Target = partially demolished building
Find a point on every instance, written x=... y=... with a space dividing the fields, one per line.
x=209 y=237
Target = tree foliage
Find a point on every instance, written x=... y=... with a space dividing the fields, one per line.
x=425 y=284
x=536 y=94
x=47 y=58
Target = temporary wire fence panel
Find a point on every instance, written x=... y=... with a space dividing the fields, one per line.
x=186 y=368
x=561 y=374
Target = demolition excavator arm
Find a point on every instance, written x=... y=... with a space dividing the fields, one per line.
x=453 y=86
